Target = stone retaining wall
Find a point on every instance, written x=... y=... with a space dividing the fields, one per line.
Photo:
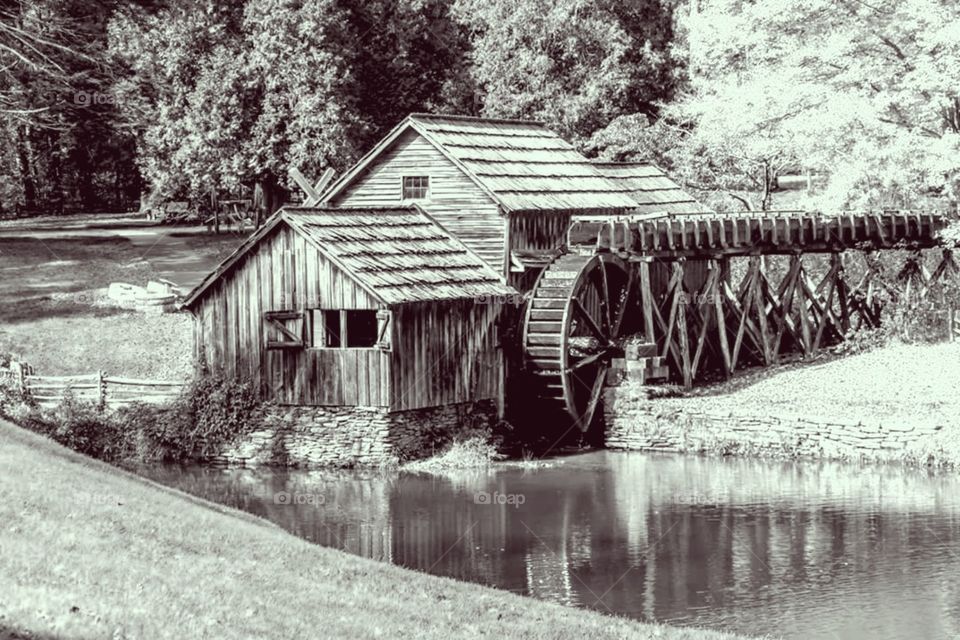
x=303 y=436
x=633 y=422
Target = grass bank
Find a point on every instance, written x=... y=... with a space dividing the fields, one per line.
x=897 y=386
x=91 y=551
x=907 y=384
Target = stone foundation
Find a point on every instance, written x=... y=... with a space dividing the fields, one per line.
x=301 y=436
x=633 y=422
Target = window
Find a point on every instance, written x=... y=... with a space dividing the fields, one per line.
x=415 y=187
x=361 y=330
x=350 y=328
x=327 y=332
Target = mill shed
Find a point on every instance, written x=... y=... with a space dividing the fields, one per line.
x=354 y=308
x=506 y=188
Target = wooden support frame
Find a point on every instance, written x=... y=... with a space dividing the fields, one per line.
x=724 y=326
x=290 y=339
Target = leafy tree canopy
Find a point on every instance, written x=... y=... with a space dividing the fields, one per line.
x=575 y=64
x=224 y=93
x=862 y=93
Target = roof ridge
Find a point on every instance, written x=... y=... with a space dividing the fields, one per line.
x=460 y=145
x=621 y=163
x=546 y=134
x=397 y=210
x=465 y=118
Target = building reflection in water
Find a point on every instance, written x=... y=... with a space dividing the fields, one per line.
x=792 y=549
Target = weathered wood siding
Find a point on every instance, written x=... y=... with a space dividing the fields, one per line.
x=284 y=272
x=538 y=230
x=694 y=276
x=535 y=233
x=446 y=352
x=455 y=201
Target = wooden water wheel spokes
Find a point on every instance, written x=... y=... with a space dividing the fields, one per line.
x=572 y=329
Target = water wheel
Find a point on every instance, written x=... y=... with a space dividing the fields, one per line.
x=571 y=330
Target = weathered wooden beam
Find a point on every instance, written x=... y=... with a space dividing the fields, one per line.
x=826 y=311
x=684 y=338
x=629 y=297
x=733 y=305
x=646 y=300
x=705 y=306
x=842 y=291
x=673 y=289
x=742 y=325
x=780 y=308
x=758 y=304
x=806 y=335
x=722 y=329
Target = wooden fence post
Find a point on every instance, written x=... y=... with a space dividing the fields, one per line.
x=101 y=390
x=21 y=377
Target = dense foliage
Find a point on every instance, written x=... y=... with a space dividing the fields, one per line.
x=573 y=64
x=64 y=148
x=102 y=100
x=863 y=94
x=210 y=413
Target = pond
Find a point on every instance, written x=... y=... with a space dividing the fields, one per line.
x=757 y=547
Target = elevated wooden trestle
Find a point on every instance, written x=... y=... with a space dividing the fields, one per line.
x=670 y=280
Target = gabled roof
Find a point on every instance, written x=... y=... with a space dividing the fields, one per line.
x=397 y=255
x=519 y=164
x=651 y=189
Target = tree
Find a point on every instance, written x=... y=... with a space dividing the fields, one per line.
x=576 y=64
x=180 y=81
x=223 y=94
x=56 y=109
x=865 y=93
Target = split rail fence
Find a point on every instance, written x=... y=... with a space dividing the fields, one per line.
x=98 y=388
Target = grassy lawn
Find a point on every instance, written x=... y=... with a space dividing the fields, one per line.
x=55 y=314
x=899 y=383
x=90 y=551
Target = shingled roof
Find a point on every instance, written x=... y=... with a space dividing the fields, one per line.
x=398 y=254
x=521 y=164
x=650 y=188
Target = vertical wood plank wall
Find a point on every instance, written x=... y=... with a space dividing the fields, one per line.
x=538 y=230
x=535 y=232
x=284 y=272
x=694 y=276
x=455 y=201
x=444 y=353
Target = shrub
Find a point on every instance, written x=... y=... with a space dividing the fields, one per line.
x=11 y=395
x=85 y=427
x=472 y=450
x=142 y=426
x=210 y=413
x=77 y=424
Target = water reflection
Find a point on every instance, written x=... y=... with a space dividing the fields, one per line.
x=799 y=550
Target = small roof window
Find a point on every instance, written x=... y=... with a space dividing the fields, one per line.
x=416 y=187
